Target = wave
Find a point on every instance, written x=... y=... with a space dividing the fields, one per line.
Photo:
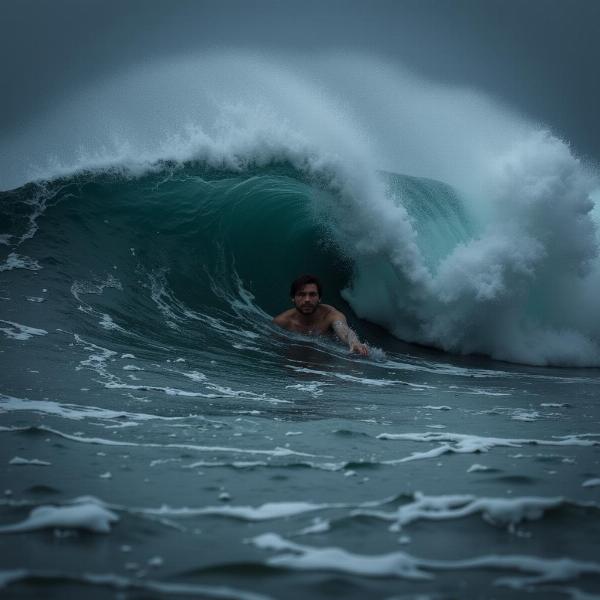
x=213 y=223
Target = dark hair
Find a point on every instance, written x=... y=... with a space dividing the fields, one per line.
x=304 y=280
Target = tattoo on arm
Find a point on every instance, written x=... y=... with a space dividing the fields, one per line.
x=344 y=332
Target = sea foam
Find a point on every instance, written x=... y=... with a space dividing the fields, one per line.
x=399 y=564
x=86 y=516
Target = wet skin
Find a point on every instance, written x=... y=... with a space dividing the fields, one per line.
x=310 y=317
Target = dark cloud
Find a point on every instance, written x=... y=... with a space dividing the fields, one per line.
x=538 y=56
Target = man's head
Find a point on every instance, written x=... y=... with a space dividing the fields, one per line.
x=306 y=293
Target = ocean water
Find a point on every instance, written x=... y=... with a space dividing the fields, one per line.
x=162 y=438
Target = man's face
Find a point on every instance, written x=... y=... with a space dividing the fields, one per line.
x=307 y=299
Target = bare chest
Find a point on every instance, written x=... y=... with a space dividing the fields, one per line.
x=317 y=328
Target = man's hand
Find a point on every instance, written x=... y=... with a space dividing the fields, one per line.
x=359 y=348
x=340 y=326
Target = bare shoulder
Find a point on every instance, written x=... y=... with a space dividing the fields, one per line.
x=333 y=314
x=284 y=318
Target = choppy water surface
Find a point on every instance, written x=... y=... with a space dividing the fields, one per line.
x=161 y=438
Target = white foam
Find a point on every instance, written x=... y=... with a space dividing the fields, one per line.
x=497 y=511
x=114 y=383
x=475 y=468
x=534 y=213
x=302 y=557
x=156 y=561
x=525 y=415
x=107 y=322
x=236 y=464
x=97 y=361
x=356 y=379
x=278 y=451
x=74 y=412
x=227 y=392
x=402 y=565
x=90 y=517
x=17 y=460
x=16 y=331
x=318 y=526
x=16 y=261
x=264 y=512
x=326 y=466
x=462 y=443
x=482 y=392
x=591 y=482
x=312 y=387
x=80 y=288
x=195 y=376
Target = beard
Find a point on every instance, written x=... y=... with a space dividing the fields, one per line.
x=307 y=309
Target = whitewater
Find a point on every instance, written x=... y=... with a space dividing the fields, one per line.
x=161 y=437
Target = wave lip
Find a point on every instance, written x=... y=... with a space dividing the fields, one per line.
x=517 y=287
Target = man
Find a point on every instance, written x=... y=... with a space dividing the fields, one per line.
x=310 y=317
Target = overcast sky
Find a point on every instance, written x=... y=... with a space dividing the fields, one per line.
x=540 y=57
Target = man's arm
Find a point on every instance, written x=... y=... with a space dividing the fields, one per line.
x=340 y=326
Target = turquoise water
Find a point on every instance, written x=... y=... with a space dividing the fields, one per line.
x=189 y=447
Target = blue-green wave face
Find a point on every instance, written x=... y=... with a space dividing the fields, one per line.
x=179 y=259
x=182 y=255
x=440 y=219
x=207 y=231
x=174 y=241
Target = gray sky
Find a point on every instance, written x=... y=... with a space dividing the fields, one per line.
x=540 y=57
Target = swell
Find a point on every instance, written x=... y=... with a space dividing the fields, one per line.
x=174 y=257
x=176 y=252
x=274 y=168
